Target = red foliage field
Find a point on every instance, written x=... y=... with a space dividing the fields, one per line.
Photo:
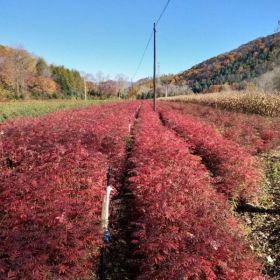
x=258 y=134
x=235 y=171
x=53 y=173
x=184 y=227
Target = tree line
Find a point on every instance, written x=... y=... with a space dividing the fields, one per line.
x=23 y=75
x=256 y=63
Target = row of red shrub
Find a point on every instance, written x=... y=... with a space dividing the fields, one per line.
x=235 y=172
x=184 y=228
x=258 y=134
x=53 y=173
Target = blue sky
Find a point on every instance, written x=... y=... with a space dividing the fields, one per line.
x=110 y=35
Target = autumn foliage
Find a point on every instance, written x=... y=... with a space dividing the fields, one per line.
x=40 y=84
x=235 y=172
x=184 y=229
x=256 y=133
x=53 y=173
x=236 y=68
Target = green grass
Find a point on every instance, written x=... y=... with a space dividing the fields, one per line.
x=34 y=108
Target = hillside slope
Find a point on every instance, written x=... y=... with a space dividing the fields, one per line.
x=242 y=64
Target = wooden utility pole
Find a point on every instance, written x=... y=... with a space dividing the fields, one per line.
x=85 y=89
x=132 y=89
x=154 y=105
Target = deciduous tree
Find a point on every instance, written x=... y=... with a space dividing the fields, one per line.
x=16 y=67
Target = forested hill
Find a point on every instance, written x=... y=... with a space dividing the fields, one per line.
x=24 y=75
x=235 y=68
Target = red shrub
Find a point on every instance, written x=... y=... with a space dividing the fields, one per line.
x=234 y=170
x=184 y=229
x=53 y=172
x=258 y=134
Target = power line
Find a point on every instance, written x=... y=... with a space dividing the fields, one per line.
x=143 y=55
x=163 y=11
x=150 y=38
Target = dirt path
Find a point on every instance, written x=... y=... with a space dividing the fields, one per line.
x=264 y=228
x=118 y=260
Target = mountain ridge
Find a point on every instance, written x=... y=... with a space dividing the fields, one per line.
x=244 y=63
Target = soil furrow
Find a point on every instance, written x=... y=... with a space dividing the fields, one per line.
x=118 y=262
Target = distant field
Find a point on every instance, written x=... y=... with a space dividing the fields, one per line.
x=245 y=102
x=36 y=108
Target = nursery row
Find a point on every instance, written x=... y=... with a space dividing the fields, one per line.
x=258 y=134
x=184 y=228
x=53 y=173
x=235 y=172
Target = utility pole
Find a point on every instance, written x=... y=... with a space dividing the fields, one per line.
x=132 y=89
x=85 y=89
x=154 y=105
x=158 y=73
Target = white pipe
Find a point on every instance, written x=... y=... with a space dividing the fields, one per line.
x=105 y=208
